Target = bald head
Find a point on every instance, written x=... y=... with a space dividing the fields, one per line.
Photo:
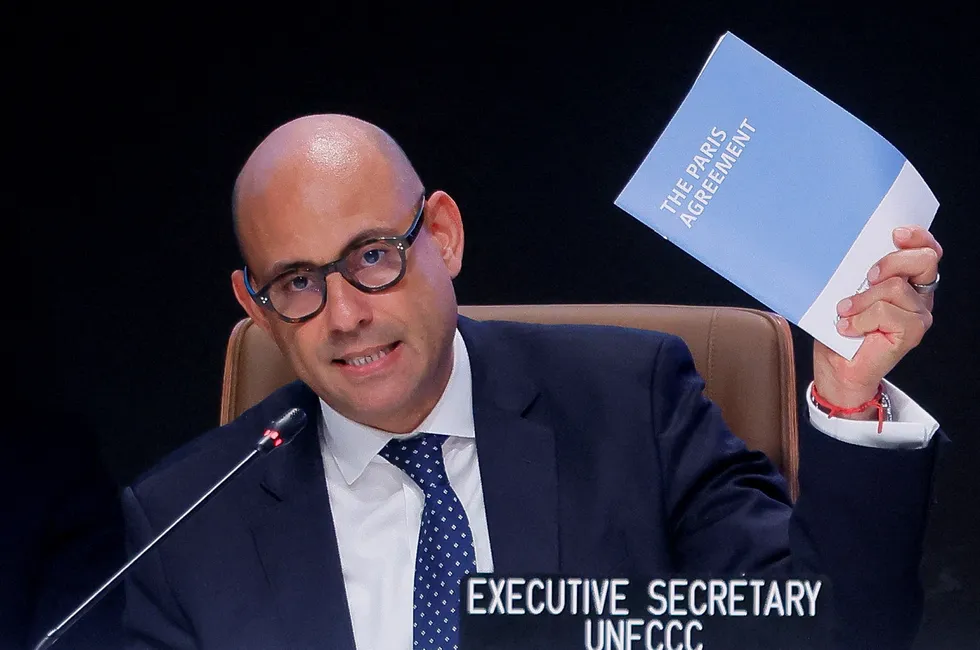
x=376 y=341
x=327 y=163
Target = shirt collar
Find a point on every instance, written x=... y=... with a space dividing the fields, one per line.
x=353 y=445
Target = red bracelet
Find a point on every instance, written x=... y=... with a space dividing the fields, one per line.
x=833 y=410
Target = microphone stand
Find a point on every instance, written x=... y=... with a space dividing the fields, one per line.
x=294 y=419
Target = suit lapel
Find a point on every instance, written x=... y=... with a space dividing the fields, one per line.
x=297 y=545
x=516 y=454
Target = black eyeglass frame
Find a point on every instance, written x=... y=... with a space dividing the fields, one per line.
x=402 y=244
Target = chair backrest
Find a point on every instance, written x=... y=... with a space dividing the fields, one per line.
x=744 y=355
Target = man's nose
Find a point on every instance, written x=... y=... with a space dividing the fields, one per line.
x=346 y=307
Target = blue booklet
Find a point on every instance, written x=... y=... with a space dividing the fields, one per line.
x=777 y=188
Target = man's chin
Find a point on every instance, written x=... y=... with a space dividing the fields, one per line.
x=393 y=418
x=388 y=408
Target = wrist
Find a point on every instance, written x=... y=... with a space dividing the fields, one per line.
x=878 y=407
x=829 y=394
x=868 y=413
x=844 y=394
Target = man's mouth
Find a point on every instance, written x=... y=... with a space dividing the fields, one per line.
x=367 y=356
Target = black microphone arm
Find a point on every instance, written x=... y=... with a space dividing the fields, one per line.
x=280 y=431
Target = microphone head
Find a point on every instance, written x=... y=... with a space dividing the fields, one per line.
x=282 y=430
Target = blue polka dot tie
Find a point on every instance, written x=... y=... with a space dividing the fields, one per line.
x=445 y=552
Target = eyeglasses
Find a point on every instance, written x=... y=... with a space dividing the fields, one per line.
x=371 y=265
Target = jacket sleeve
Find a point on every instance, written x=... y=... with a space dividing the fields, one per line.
x=860 y=519
x=152 y=618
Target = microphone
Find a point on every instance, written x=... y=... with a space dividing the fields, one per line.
x=280 y=431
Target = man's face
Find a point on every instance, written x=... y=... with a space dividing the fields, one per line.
x=384 y=358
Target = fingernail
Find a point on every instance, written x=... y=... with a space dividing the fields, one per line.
x=842 y=324
x=844 y=306
x=902 y=234
x=874 y=273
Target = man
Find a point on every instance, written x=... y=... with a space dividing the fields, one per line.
x=572 y=450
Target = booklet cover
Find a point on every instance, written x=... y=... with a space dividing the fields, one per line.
x=777 y=188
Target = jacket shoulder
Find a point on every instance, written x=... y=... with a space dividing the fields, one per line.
x=583 y=351
x=218 y=448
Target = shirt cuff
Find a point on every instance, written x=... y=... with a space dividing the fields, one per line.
x=911 y=426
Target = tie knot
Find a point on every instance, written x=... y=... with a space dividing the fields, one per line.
x=419 y=457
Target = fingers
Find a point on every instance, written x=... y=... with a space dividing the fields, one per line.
x=919 y=265
x=894 y=290
x=916 y=237
x=917 y=259
x=903 y=328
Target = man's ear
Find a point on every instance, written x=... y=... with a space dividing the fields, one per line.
x=444 y=222
x=256 y=313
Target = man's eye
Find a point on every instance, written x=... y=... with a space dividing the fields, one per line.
x=295 y=283
x=372 y=256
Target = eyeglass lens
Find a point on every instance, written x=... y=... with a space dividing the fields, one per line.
x=370 y=267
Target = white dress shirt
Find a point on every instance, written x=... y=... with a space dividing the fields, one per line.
x=377 y=508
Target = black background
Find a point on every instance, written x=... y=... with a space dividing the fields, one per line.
x=129 y=129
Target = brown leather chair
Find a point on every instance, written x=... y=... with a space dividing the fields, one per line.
x=744 y=355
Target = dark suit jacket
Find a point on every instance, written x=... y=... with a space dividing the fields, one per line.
x=598 y=455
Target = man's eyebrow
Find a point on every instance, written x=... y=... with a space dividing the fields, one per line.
x=362 y=236
x=370 y=233
x=283 y=266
